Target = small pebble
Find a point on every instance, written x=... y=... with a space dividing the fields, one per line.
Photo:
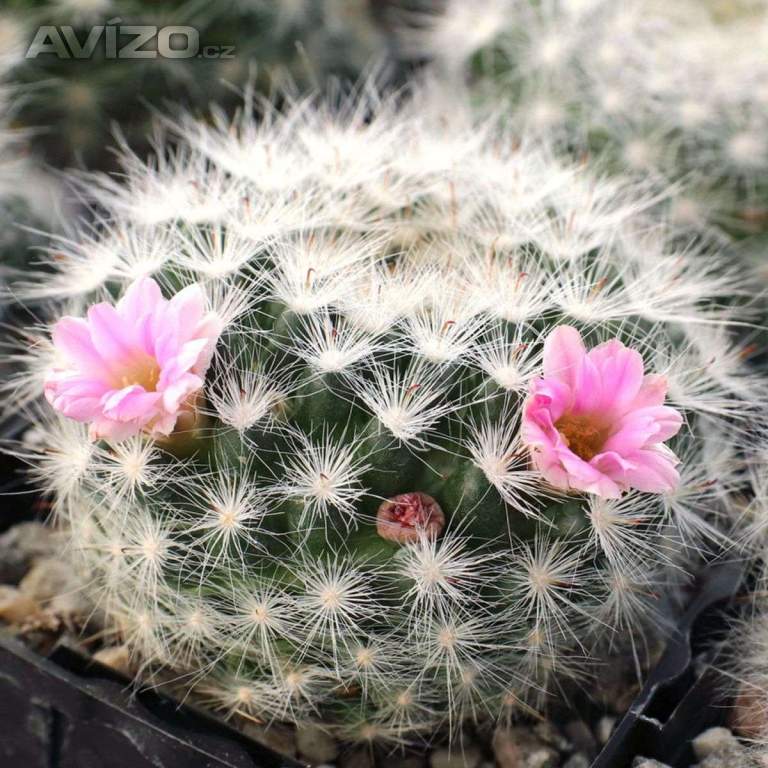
x=747 y=716
x=715 y=741
x=315 y=744
x=116 y=657
x=20 y=545
x=578 y=760
x=550 y=735
x=604 y=729
x=15 y=606
x=519 y=748
x=468 y=757
x=646 y=762
x=359 y=757
x=581 y=736
x=72 y=605
x=47 y=579
x=615 y=684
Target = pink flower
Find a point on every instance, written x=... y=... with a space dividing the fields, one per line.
x=134 y=366
x=596 y=422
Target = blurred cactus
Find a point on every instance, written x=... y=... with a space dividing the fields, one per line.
x=75 y=103
x=30 y=198
x=357 y=512
x=674 y=92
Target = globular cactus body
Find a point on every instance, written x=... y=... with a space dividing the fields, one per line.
x=378 y=504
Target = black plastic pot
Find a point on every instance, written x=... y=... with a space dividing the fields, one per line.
x=683 y=694
x=66 y=712
x=18 y=500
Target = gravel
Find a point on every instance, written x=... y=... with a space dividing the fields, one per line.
x=469 y=757
x=15 y=606
x=521 y=748
x=115 y=657
x=316 y=745
x=20 y=546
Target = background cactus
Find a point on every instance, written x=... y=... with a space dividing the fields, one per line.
x=746 y=649
x=671 y=92
x=30 y=198
x=75 y=103
x=746 y=681
x=385 y=279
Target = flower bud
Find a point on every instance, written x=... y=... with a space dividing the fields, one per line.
x=405 y=517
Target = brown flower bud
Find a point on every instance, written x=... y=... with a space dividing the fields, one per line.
x=404 y=517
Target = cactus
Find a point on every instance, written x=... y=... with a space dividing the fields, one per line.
x=75 y=102
x=30 y=198
x=741 y=655
x=668 y=91
x=745 y=678
x=347 y=479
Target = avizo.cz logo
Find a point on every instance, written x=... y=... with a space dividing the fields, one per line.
x=125 y=41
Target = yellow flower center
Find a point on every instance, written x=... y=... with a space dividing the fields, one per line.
x=584 y=434
x=142 y=370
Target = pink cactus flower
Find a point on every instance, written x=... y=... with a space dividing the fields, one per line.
x=133 y=367
x=596 y=422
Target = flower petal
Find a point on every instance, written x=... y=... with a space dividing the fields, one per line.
x=588 y=388
x=109 y=334
x=130 y=403
x=141 y=298
x=188 y=307
x=563 y=352
x=176 y=392
x=209 y=328
x=551 y=396
x=643 y=427
x=653 y=470
x=653 y=391
x=621 y=371
x=104 y=429
x=72 y=338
